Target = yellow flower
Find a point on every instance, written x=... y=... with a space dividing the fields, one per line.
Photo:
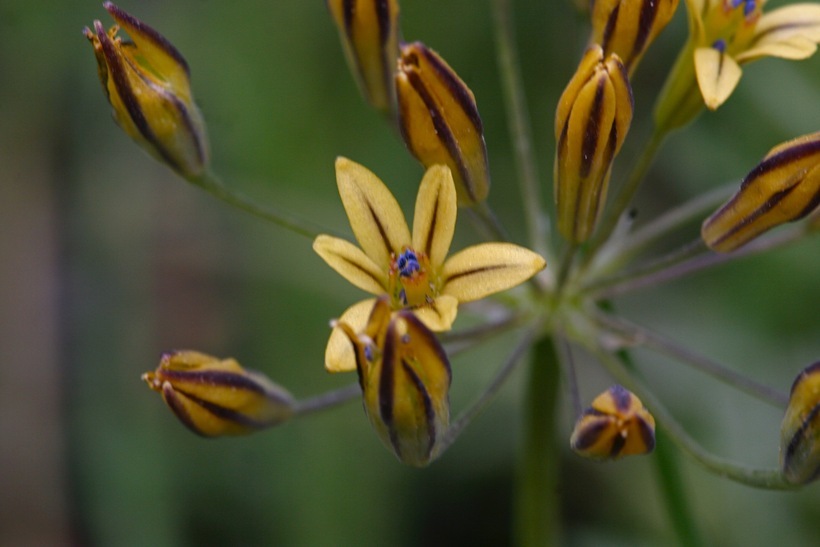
x=214 y=397
x=724 y=34
x=405 y=379
x=413 y=271
x=591 y=122
x=146 y=80
x=369 y=32
x=615 y=425
x=800 y=430
x=439 y=120
x=784 y=187
x=628 y=27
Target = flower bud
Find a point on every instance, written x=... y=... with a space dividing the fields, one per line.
x=627 y=27
x=147 y=82
x=439 y=121
x=214 y=397
x=800 y=431
x=405 y=379
x=784 y=187
x=616 y=425
x=591 y=123
x=369 y=32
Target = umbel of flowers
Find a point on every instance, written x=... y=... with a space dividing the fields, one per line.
x=417 y=287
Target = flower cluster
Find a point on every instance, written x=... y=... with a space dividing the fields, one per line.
x=416 y=286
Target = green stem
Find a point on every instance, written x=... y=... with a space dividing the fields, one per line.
x=518 y=119
x=613 y=257
x=327 y=400
x=651 y=340
x=668 y=470
x=607 y=288
x=537 y=509
x=489 y=394
x=488 y=221
x=670 y=480
x=214 y=186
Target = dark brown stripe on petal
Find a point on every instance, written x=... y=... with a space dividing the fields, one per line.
x=621 y=397
x=387 y=381
x=225 y=413
x=429 y=413
x=808 y=371
x=618 y=442
x=383 y=17
x=786 y=26
x=457 y=88
x=382 y=232
x=475 y=271
x=430 y=340
x=591 y=434
x=349 y=12
x=445 y=135
x=148 y=33
x=647 y=435
x=213 y=378
x=172 y=400
x=791 y=153
x=649 y=11
x=428 y=245
x=610 y=27
x=363 y=270
x=800 y=435
x=773 y=200
x=592 y=129
x=118 y=71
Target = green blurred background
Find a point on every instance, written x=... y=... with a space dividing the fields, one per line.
x=108 y=259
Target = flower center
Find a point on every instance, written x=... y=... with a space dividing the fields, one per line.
x=410 y=281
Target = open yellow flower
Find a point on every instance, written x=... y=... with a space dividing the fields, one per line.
x=413 y=271
x=728 y=33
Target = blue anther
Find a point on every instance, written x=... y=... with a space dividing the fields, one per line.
x=408 y=263
x=368 y=353
x=749 y=8
x=720 y=45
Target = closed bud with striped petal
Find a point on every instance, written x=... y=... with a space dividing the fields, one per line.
x=784 y=187
x=591 y=122
x=147 y=82
x=439 y=121
x=615 y=425
x=800 y=431
x=405 y=379
x=628 y=27
x=369 y=30
x=214 y=397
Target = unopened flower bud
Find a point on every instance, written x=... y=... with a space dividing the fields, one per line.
x=591 y=122
x=214 y=397
x=439 y=121
x=405 y=379
x=369 y=30
x=147 y=82
x=800 y=431
x=784 y=187
x=627 y=27
x=616 y=425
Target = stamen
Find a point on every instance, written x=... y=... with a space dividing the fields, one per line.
x=408 y=263
x=720 y=45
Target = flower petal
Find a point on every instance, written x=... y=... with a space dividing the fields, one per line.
x=718 y=75
x=791 y=32
x=440 y=315
x=488 y=268
x=339 y=353
x=168 y=67
x=351 y=263
x=375 y=215
x=435 y=218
